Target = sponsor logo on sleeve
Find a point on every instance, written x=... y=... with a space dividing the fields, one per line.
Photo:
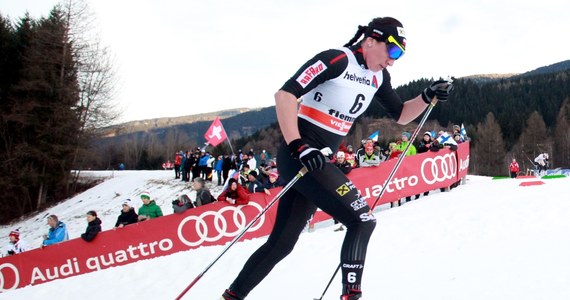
x=310 y=73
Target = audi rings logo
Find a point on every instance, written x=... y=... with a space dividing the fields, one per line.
x=439 y=168
x=16 y=275
x=218 y=225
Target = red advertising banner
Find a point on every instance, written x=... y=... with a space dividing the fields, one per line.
x=216 y=223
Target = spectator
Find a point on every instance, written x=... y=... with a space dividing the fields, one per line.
x=457 y=137
x=457 y=131
x=177 y=163
x=404 y=143
x=16 y=245
x=243 y=174
x=187 y=162
x=401 y=146
x=274 y=181
x=182 y=203
x=218 y=167
x=57 y=232
x=264 y=157
x=93 y=226
x=149 y=209
x=424 y=146
x=203 y=195
x=342 y=163
x=393 y=151
x=235 y=194
x=227 y=165
x=345 y=167
x=195 y=164
x=350 y=156
x=252 y=162
x=360 y=152
x=541 y=163
x=514 y=168
x=127 y=216
x=426 y=143
x=203 y=164
x=369 y=158
x=210 y=164
x=254 y=185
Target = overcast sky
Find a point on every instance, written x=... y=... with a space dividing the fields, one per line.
x=178 y=57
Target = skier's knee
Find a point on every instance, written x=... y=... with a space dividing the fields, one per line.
x=365 y=224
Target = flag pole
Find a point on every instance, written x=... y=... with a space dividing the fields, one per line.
x=227 y=137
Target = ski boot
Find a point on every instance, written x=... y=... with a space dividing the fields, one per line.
x=229 y=295
x=352 y=295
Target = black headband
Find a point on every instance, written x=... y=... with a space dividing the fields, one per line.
x=382 y=32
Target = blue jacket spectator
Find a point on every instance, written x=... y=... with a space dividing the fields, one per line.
x=57 y=232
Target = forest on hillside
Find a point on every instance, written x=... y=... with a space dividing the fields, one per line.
x=55 y=91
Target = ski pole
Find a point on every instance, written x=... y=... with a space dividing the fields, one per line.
x=401 y=158
x=300 y=174
x=329 y=284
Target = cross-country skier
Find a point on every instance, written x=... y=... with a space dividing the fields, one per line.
x=336 y=86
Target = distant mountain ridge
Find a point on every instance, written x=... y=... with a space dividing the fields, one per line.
x=553 y=68
x=145 y=125
x=149 y=124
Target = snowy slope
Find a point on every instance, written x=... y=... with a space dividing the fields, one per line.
x=487 y=239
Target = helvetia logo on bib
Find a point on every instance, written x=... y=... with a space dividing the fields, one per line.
x=362 y=80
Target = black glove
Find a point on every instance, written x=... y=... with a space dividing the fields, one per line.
x=11 y=252
x=439 y=89
x=311 y=158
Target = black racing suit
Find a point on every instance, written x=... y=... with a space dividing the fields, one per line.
x=328 y=189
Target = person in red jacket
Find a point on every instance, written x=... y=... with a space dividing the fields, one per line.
x=234 y=194
x=514 y=168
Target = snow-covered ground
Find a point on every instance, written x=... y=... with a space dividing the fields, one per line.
x=487 y=239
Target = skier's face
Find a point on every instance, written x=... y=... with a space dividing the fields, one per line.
x=376 y=55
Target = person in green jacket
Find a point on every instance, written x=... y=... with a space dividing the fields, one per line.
x=404 y=143
x=150 y=209
x=411 y=151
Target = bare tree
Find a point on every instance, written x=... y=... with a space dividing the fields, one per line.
x=561 y=144
x=489 y=151
x=96 y=76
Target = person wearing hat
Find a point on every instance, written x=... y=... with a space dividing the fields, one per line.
x=369 y=158
x=149 y=209
x=273 y=181
x=127 y=216
x=336 y=86
x=16 y=245
x=93 y=226
x=425 y=143
x=341 y=163
x=57 y=232
x=234 y=194
x=350 y=156
x=254 y=185
x=404 y=143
